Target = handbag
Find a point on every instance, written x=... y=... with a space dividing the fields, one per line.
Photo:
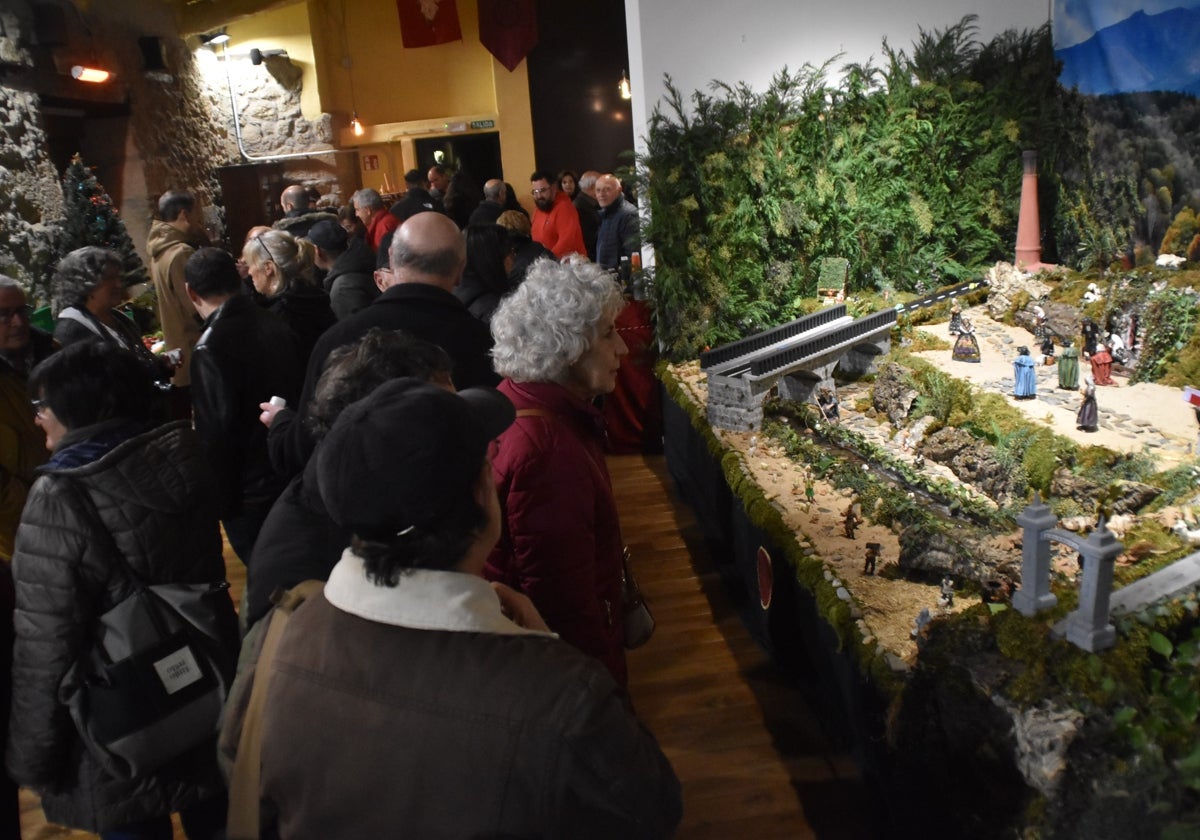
x=153 y=683
x=637 y=620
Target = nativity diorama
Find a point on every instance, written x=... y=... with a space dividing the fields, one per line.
x=957 y=482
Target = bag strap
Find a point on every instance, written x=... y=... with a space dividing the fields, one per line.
x=246 y=779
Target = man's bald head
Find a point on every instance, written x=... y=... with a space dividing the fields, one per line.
x=494 y=190
x=294 y=197
x=428 y=248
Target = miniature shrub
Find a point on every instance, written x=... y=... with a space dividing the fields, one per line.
x=1179 y=484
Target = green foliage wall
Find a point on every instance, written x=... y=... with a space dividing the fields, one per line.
x=912 y=172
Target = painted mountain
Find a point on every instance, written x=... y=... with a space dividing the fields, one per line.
x=1141 y=53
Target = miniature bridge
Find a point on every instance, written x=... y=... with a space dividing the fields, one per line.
x=799 y=356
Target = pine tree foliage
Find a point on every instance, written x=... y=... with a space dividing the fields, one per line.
x=910 y=170
x=89 y=218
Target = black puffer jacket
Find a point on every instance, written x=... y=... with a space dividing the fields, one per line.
x=155 y=495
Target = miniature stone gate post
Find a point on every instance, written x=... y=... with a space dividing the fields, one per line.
x=1088 y=627
x=1034 y=594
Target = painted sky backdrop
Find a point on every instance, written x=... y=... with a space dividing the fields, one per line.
x=1130 y=47
x=1077 y=20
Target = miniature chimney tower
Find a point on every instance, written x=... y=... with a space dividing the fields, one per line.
x=1029 y=238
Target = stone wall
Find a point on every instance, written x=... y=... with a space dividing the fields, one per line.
x=29 y=191
x=272 y=123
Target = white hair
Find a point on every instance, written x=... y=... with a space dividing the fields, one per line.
x=550 y=321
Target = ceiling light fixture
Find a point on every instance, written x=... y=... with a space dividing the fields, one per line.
x=356 y=125
x=92 y=75
x=623 y=86
x=214 y=39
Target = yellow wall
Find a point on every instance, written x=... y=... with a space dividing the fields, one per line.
x=401 y=94
x=284 y=28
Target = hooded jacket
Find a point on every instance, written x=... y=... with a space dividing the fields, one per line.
x=155 y=496
x=350 y=281
x=169 y=250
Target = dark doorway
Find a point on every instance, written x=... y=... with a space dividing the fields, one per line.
x=475 y=155
x=580 y=120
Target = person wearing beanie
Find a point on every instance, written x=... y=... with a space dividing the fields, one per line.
x=349 y=268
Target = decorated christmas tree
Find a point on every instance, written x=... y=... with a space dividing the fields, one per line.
x=91 y=219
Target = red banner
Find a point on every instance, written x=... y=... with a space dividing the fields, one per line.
x=508 y=28
x=424 y=23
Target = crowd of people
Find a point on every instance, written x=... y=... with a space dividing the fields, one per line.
x=399 y=402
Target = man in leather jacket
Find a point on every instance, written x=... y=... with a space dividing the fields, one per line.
x=244 y=356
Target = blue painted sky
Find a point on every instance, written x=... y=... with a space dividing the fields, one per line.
x=1077 y=20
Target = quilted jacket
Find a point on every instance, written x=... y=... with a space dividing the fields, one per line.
x=561 y=541
x=155 y=495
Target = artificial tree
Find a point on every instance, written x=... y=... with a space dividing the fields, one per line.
x=89 y=218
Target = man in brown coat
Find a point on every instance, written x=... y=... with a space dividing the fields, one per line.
x=173 y=238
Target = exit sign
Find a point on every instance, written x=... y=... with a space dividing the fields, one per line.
x=483 y=123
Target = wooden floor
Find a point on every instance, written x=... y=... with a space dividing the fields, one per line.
x=752 y=757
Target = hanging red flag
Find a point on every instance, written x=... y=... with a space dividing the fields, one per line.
x=424 y=23
x=508 y=28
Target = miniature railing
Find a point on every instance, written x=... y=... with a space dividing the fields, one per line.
x=767 y=338
x=791 y=356
x=942 y=296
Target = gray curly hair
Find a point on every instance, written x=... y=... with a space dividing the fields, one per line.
x=550 y=321
x=79 y=272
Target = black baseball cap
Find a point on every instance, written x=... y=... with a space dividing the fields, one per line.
x=328 y=235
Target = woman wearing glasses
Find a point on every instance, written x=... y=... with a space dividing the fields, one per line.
x=88 y=287
x=113 y=468
x=280 y=267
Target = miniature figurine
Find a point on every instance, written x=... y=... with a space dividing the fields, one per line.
x=1044 y=336
x=828 y=404
x=1091 y=336
x=852 y=519
x=947 y=599
x=920 y=622
x=1068 y=368
x=955 y=320
x=1025 y=380
x=1102 y=366
x=873 y=549
x=1088 y=417
x=966 y=347
x=810 y=491
x=918 y=461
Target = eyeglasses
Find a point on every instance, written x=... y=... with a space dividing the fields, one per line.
x=7 y=315
x=536 y=191
x=259 y=239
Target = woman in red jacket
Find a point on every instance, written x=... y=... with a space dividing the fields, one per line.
x=558 y=348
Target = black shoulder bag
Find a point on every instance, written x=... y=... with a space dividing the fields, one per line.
x=154 y=679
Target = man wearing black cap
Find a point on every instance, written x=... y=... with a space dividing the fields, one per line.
x=349 y=268
x=245 y=355
x=412 y=684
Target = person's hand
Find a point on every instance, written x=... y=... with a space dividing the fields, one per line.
x=519 y=609
x=269 y=410
x=174 y=358
x=243 y=270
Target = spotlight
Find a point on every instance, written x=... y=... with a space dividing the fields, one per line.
x=257 y=55
x=214 y=39
x=90 y=74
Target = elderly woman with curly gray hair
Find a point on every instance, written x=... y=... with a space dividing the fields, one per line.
x=88 y=286
x=557 y=344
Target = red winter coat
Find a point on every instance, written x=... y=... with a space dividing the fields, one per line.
x=561 y=543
